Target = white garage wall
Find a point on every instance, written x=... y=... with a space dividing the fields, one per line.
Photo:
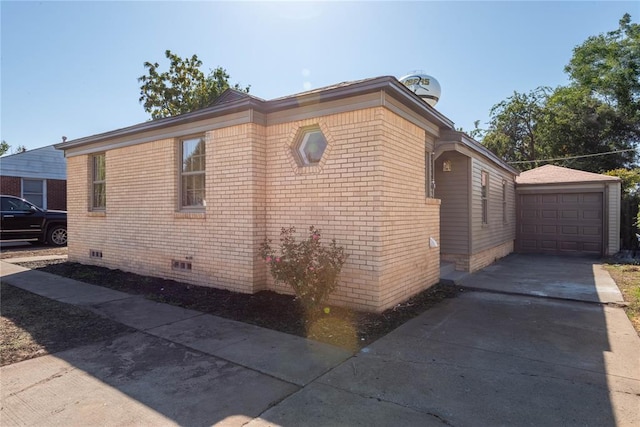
x=613 y=201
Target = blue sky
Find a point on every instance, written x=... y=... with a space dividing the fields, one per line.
x=71 y=68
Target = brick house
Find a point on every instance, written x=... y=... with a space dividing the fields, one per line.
x=38 y=175
x=192 y=197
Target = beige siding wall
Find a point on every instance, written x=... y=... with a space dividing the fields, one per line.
x=142 y=230
x=368 y=193
x=236 y=185
x=408 y=264
x=341 y=197
x=496 y=232
x=453 y=189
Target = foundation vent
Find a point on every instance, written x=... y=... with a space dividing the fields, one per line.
x=95 y=254
x=180 y=265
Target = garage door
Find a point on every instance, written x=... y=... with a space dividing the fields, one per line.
x=560 y=223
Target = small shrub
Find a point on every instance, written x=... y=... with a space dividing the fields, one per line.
x=308 y=267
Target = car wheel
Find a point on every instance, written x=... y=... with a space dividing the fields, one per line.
x=57 y=235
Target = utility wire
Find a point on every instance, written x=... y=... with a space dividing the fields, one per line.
x=572 y=157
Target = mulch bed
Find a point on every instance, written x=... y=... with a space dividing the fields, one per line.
x=346 y=328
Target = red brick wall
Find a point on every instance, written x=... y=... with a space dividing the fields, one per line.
x=56 y=190
x=10 y=185
x=57 y=194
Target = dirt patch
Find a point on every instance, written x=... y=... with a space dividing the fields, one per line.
x=627 y=277
x=30 y=250
x=33 y=326
x=346 y=328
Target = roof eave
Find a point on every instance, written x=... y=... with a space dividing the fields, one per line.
x=203 y=114
x=478 y=147
x=597 y=181
x=388 y=84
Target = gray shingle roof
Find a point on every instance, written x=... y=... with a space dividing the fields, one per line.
x=550 y=174
x=42 y=163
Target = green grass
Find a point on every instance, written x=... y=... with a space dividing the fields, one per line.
x=627 y=277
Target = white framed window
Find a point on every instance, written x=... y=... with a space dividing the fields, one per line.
x=35 y=191
x=311 y=147
x=429 y=178
x=484 y=194
x=98 y=182
x=192 y=173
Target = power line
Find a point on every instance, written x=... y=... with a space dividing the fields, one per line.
x=573 y=157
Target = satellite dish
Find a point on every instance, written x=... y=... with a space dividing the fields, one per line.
x=423 y=85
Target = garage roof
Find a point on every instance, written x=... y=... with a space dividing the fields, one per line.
x=550 y=174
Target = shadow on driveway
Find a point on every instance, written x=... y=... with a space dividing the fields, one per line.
x=490 y=358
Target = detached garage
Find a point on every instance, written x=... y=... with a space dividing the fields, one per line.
x=567 y=211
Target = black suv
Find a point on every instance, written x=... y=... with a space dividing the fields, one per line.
x=23 y=220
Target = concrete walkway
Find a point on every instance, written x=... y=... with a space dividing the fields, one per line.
x=505 y=357
x=183 y=367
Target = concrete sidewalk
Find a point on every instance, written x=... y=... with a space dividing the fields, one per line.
x=183 y=367
x=516 y=356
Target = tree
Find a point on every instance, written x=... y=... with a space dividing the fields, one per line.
x=512 y=132
x=594 y=121
x=183 y=88
x=609 y=65
x=475 y=133
x=576 y=123
x=629 y=180
x=5 y=146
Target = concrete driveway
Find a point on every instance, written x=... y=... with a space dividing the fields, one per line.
x=567 y=278
x=505 y=357
x=508 y=357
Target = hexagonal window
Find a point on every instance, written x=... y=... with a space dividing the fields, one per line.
x=311 y=147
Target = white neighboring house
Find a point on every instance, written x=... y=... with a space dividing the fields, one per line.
x=38 y=175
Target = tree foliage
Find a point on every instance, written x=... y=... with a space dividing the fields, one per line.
x=576 y=123
x=183 y=88
x=514 y=126
x=630 y=179
x=609 y=64
x=594 y=122
x=5 y=146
